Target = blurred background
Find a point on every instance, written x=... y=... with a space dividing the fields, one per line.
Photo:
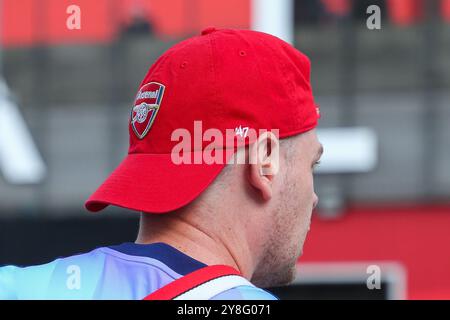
x=384 y=183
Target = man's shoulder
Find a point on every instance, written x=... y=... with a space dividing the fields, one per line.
x=245 y=293
x=113 y=272
x=34 y=282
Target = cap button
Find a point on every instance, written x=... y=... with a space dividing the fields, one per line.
x=208 y=30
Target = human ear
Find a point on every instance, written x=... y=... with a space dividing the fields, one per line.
x=264 y=164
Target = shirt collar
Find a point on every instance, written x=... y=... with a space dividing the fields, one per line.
x=173 y=258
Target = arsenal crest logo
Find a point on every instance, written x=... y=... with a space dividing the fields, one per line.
x=145 y=109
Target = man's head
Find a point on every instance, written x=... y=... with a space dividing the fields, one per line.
x=219 y=85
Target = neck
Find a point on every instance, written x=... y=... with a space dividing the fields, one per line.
x=225 y=247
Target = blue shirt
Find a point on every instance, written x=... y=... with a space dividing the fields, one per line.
x=126 y=271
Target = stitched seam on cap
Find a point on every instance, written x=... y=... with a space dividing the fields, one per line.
x=219 y=107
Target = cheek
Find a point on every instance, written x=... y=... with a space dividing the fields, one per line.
x=305 y=185
x=298 y=188
x=310 y=187
x=305 y=198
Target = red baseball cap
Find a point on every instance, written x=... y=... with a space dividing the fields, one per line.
x=223 y=80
